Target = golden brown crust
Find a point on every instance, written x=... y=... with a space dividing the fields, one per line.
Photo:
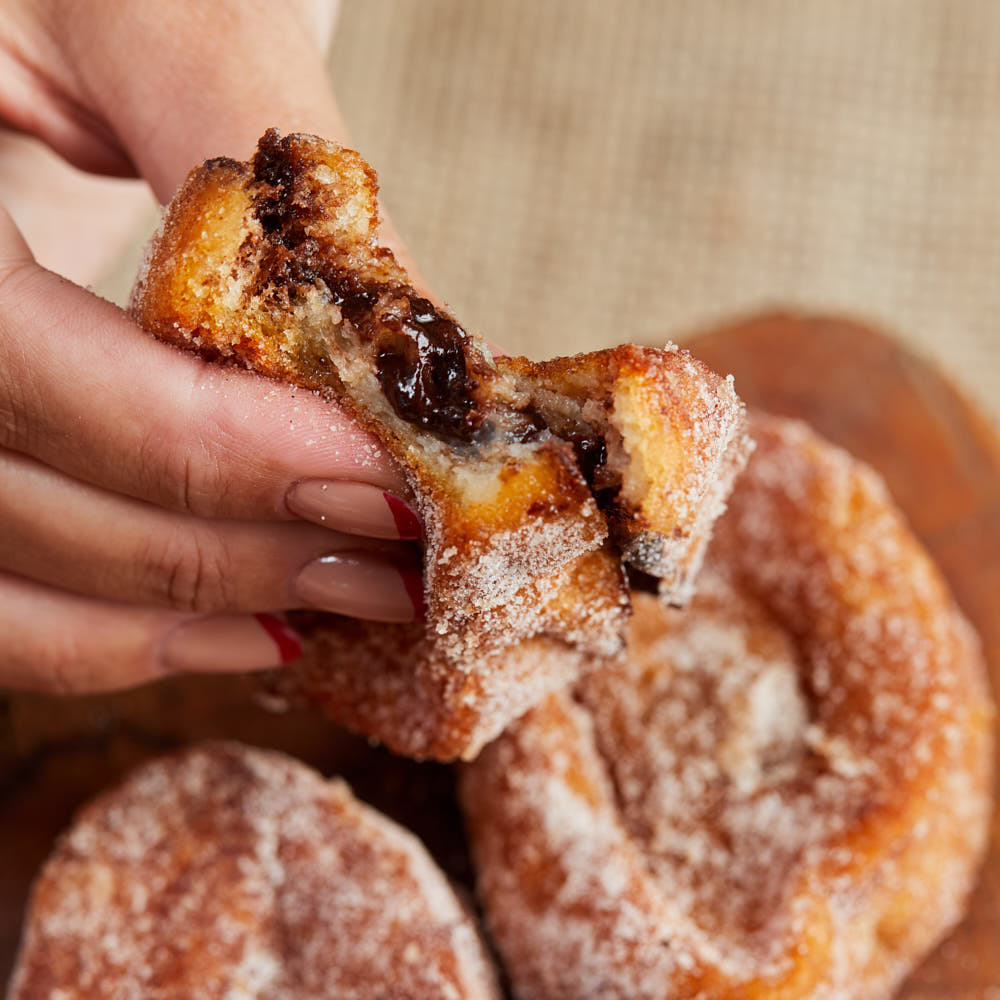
x=225 y=872
x=783 y=791
x=515 y=468
x=393 y=682
x=680 y=431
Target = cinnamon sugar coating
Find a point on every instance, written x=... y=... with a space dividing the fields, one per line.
x=233 y=873
x=392 y=681
x=533 y=482
x=781 y=792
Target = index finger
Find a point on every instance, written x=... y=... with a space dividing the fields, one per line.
x=84 y=390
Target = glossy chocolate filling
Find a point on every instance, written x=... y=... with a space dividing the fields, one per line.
x=422 y=371
x=421 y=354
x=427 y=366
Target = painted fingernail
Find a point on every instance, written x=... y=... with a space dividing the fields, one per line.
x=356 y=508
x=230 y=642
x=284 y=636
x=407 y=523
x=363 y=585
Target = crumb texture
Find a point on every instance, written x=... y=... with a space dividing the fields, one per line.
x=226 y=873
x=781 y=792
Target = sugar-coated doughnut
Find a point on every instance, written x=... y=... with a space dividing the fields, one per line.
x=781 y=792
x=230 y=873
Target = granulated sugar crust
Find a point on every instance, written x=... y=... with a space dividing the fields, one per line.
x=228 y=873
x=516 y=469
x=782 y=793
x=392 y=682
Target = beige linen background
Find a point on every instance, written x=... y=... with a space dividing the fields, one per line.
x=574 y=173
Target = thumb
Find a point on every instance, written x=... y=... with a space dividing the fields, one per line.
x=182 y=82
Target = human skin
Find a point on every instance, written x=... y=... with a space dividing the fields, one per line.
x=154 y=507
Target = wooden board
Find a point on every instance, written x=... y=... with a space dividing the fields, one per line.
x=942 y=463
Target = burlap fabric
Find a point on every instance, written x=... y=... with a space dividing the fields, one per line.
x=574 y=173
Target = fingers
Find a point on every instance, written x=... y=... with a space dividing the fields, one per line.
x=59 y=642
x=153 y=89
x=76 y=537
x=82 y=389
x=206 y=80
x=354 y=508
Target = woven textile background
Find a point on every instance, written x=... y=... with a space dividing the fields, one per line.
x=574 y=173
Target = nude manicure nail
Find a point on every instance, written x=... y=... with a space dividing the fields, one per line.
x=230 y=643
x=363 y=585
x=356 y=508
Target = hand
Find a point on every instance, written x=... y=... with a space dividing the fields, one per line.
x=154 y=507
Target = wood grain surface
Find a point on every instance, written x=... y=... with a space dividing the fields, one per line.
x=858 y=387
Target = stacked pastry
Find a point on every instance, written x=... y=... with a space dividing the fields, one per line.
x=779 y=789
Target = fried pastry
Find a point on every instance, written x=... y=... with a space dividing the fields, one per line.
x=229 y=872
x=782 y=791
x=533 y=482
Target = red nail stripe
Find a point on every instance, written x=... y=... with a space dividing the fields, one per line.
x=413 y=581
x=288 y=643
x=407 y=523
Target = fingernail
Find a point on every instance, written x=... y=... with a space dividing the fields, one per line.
x=357 y=508
x=407 y=523
x=284 y=636
x=229 y=642
x=363 y=585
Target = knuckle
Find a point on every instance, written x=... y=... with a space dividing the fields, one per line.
x=193 y=464
x=164 y=464
x=193 y=576
x=16 y=384
x=63 y=667
x=176 y=471
x=202 y=480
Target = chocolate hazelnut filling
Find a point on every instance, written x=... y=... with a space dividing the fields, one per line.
x=422 y=371
x=420 y=354
x=428 y=368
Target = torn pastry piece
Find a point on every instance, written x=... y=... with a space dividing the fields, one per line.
x=276 y=263
x=226 y=872
x=783 y=790
x=391 y=683
x=517 y=470
x=659 y=440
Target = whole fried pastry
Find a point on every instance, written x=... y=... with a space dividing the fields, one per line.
x=533 y=481
x=228 y=872
x=781 y=792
